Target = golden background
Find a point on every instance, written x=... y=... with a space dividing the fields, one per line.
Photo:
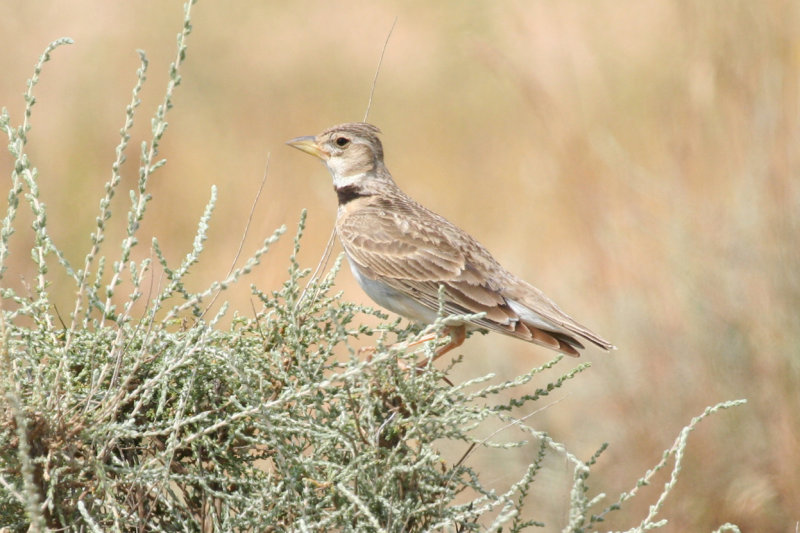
x=637 y=160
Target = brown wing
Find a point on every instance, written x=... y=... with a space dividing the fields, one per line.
x=414 y=250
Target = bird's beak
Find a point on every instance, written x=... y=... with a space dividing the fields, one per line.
x=309 y=145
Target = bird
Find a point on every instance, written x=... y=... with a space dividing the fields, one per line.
x=401 y=253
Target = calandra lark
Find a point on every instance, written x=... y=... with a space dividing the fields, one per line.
x=401 y=253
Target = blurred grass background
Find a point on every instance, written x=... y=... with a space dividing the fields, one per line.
x=638 y=161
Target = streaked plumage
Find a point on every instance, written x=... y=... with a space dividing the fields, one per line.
x=401 y=252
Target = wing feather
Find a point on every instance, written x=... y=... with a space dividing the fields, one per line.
x=413 y=250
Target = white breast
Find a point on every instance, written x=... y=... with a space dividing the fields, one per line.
x=393 y=300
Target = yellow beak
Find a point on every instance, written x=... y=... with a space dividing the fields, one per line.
x=309 y=145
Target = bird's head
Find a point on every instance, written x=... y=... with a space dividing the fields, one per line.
x=351 y=151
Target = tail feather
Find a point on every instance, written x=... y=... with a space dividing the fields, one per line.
x=545 y=315
x=555 y=341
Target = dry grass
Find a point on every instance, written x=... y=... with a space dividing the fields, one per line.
x=638 y=161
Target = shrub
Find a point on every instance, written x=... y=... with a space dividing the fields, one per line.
x=177 y=418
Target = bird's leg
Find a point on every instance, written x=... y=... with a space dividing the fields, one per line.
x=457 y=336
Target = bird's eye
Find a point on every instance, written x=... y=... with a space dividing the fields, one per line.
x=341 y=142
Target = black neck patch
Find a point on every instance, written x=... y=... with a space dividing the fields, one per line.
x=349 y=193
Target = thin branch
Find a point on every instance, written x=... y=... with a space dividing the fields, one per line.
x=323 y=261
x=378 y=70
x=244 y=235
x=514 y=422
